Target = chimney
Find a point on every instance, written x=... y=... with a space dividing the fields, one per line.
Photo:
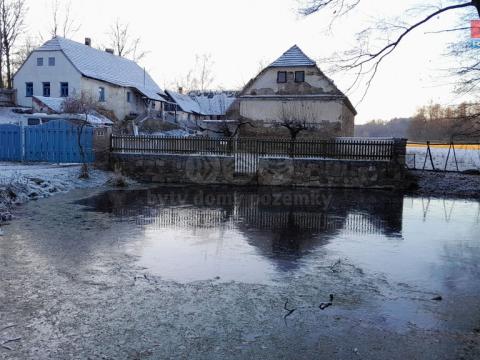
x=88 y=41
x=180 y=90
x=110 y=51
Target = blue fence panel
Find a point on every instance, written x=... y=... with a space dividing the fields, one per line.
x=10 y=143
x=58 y=142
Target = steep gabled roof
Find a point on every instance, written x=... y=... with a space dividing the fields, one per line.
x=104 y=66
x=293 y=57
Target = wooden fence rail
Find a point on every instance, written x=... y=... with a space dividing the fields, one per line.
x=341 y=148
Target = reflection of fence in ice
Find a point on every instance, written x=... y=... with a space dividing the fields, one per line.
x=252 y=218
x=449 y=209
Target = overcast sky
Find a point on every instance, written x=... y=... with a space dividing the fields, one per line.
x=242 y=34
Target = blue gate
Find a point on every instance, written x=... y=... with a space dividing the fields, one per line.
x=10 y=143
x=59 y=141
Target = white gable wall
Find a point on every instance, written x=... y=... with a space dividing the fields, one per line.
x=316 y=100
x=63 y=71
x=266 y=82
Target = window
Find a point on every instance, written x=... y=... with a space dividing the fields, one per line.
x=64 y=89
x=129 y=96
x=46 y=89
x=299 y=76
x=29 y=89
x=39 y=61
x=282 y=77
x=51 y=61
x=101 y=94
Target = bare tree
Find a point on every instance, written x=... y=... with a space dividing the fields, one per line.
x=446 y=123
x=200 y=77
x=204 y=65
x=365 y=59
x=63 y=24
x=23 y=51
x=224 y=128
x=123 y=43
x=12 y=18
x=295 y=118
x=85 y=105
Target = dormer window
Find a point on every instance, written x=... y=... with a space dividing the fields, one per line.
x=281 y=77
x=40 y=61
x=299 y=76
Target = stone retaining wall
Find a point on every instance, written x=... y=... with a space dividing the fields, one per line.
x=191 y=169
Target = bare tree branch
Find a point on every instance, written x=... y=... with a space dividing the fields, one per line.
x=122 y=42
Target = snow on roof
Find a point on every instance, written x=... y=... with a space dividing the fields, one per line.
x=214 y=103
x=186 y=103
x=104 y=66
x=203 y=103
x=55 y=104
x=293 y=57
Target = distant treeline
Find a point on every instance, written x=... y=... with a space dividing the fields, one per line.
x=397 y=127
x=431 y=122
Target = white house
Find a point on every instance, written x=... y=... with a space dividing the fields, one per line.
x=61 y=68
x=294 y=88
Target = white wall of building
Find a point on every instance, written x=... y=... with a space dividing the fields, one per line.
x=266 y=83
x=115 y=97
x=62 y=71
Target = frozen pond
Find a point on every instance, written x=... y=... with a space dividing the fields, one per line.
x=209 y=270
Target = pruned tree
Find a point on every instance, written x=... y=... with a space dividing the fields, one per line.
x=122 y=42
x=365 y=59
x=295 y=118
x=12 y=23
x=224 y=128
x=85 y=105
x=62 y=22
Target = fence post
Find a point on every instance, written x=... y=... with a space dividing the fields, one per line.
x=22 y=142
x=399 y=151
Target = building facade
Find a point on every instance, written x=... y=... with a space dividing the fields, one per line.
x=62 y=68
x=291 y=89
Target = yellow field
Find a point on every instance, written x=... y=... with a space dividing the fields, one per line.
x=446 y=146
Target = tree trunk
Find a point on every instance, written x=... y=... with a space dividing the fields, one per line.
x=1 y=69
x=9 y=67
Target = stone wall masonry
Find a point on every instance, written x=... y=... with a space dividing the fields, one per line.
x=330 y=173
x=197 y=169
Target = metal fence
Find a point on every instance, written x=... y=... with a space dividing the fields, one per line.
x=341 y=148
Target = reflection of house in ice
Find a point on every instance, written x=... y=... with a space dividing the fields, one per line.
x=281 y=225
x=300 y=218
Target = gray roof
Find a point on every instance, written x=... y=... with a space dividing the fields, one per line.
x=203 y=103
x=214 y=103
x=186 y=103
x=100 y=65
x=293 y=57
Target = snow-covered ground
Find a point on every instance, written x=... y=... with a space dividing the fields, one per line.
x=467 y=159
x=20 y=183
x=7 y=116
